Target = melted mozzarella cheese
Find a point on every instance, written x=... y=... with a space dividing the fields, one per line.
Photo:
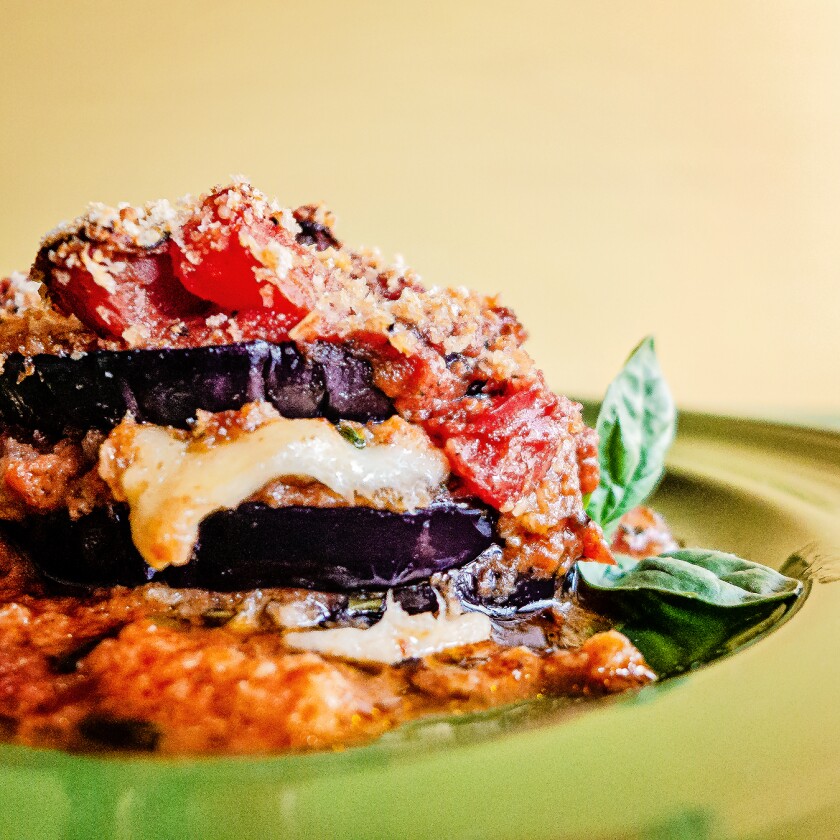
x=171 y=482
x=396 y=636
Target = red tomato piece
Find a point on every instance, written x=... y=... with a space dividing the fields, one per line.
x=232 y=253
x=266 y=324
x=142 y=291
x=504 y=451
x=595 y=546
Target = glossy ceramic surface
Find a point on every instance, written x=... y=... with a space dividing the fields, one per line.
x=747 y=747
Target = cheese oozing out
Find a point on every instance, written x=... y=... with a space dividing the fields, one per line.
x=396 y=636
x=172 y=481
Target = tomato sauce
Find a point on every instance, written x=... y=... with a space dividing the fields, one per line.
x=194 y=672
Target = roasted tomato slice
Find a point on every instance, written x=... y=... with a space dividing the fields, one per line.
x=504 y=450
x=232 y=251
x=130 y=290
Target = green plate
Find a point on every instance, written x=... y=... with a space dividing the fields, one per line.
x=746 y=747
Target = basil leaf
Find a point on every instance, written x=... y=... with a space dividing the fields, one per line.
x=712 y=577
x=636 y=425
x=688 y=606
x=674 y=638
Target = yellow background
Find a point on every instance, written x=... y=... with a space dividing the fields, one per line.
x=613 y=168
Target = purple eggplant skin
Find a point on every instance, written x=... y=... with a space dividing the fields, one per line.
x=166 y=386
x=63 y=395
x=254 y=545
x=82 y=554
x=350 y=392
x=528 y=594
x=293 y=384
x=335 y=548
x=54 y=393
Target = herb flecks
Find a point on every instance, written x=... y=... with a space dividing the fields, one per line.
x=68 y=662
x=217 y=617
x=120 y=733
x=352 y=435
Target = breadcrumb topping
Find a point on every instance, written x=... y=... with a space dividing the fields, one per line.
x=18 y=293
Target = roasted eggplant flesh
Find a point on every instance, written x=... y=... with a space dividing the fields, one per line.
x=254 y=545
x=60 y=394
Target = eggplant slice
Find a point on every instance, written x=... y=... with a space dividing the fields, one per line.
x=60 y=394
x=254 y=545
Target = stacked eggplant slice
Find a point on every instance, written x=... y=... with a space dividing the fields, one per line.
x=61 y=394
x=253 y=545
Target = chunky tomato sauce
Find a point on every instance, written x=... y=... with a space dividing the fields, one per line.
x=188 y=671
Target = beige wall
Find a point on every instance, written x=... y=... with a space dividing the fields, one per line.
x=614 y=168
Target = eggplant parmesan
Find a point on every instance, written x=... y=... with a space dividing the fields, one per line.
x=261 y=491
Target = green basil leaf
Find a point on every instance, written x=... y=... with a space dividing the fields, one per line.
x=688 y=606
x=674 y=638
x=713 y=577
x=636 y=425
